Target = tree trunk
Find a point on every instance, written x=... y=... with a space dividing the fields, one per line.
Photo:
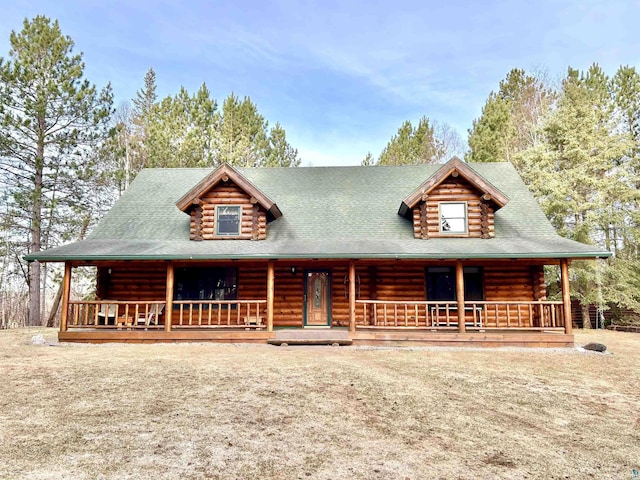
x=56 y=302
x=54 y=308
x=586 y=319
x=36 y=228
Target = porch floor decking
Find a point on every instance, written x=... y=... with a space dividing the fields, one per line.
x=377 y=337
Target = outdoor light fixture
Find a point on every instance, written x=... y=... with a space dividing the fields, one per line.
x=293 y=270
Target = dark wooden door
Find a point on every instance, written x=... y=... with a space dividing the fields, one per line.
x=317 y=299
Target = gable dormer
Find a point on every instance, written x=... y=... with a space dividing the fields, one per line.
x=455 y=201
x=225 y=205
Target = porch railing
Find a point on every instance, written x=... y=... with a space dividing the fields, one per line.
x=478 y=315
x=118 y=314
x=112 y=314
x=219 y=314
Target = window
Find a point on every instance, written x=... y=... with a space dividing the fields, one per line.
x=441 y=284
x=228 y=220
x=453 y=217
x=206 y=284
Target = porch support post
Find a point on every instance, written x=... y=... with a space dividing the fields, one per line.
x=352 y=296
x=66 y=289
x=566 y=295
x=460 y=296
x=270 y=294
x=169 y=298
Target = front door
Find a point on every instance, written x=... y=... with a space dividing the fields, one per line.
x=317 y=298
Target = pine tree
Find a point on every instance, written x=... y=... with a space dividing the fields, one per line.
x=51 y=116
x=511 y=119
x=413 y=145
x=242 y=133
x=368 y=160
x=279 y=152
x=142 y=116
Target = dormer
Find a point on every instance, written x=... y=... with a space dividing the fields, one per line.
x=225 y=205
x=455 y=201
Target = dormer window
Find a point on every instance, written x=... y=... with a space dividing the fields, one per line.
x=455 y=201
x=228 y=220
x=213 y=219
x=453 y=217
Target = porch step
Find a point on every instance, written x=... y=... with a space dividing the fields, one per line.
x=311 y=337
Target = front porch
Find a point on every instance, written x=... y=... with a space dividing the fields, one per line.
x=374 y=303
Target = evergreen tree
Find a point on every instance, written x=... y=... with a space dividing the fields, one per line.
x=142 y=118
x=511 y=119
x=413 y=145
x=242 y=133
x=368 y=160
x=51 y=117
x=279 y=152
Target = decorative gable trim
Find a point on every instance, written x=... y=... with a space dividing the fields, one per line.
x=454 y=167
x=224 y=173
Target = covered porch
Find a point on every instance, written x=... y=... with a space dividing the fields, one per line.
x=375 y=302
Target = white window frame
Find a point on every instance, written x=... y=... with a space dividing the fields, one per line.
x=225 y=234
x=465 y=231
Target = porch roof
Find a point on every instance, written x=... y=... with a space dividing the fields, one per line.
x=327 y=212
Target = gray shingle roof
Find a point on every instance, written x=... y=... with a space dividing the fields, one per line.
x=328 y=212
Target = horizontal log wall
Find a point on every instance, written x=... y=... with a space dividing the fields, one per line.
x=513 y=282
x=132 y=281
x=288 y=297
x=254 y=218
x=480 y=214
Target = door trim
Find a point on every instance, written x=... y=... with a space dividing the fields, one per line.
x=304 y=297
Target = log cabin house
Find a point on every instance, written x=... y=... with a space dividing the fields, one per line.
x=423 y=254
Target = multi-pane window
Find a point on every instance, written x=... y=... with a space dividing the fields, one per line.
x=228 y=220
x=453 y=217
x=441 y=283
x=202 y=283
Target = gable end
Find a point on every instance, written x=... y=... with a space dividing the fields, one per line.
x=227 y=206
x=477 y=214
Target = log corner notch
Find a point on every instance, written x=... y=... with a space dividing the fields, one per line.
x=424 y=223
x=196 y=220
x=255 y=221
x=485 y=220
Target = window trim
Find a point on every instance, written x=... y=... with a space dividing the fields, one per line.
x=217 y=222
x=465 y=218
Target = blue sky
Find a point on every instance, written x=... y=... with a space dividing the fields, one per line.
x=340 y=76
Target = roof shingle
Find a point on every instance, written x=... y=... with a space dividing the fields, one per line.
x=328 y=212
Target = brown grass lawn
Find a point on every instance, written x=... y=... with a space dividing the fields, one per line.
x=240 y=411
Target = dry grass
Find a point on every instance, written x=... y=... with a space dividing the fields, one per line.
x=237 y=411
